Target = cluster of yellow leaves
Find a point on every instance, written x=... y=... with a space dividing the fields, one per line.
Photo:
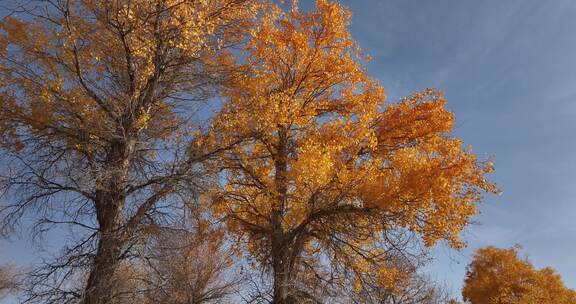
x=499 y=276
x=428 y=175
x=319 y=146
x=186 y=27
x=303 y=60
x=94 y=67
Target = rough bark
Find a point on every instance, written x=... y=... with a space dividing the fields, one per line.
x=109 y=205
x=282 y=273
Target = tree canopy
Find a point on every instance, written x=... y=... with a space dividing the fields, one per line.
x=96 y=118
x=501 y=276
x=328 y=178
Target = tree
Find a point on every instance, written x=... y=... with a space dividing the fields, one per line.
x=329 y=182
x=189 y=265
x=417 y=289
x=500 y=276
x=96 y=101
x=9 y=280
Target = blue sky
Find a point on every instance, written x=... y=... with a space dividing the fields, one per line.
x=508 y=69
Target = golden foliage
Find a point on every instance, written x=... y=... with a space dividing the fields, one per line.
x=81 y=73
x=323 y=175
x=96 y=101
x=500 y=276
x=324 y=165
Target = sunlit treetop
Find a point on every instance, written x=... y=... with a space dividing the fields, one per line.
x=500 y=276
x=325 y=165
x=100 y=66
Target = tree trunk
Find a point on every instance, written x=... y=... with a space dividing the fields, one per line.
x=282 y=267
x=283 y=291
x=285 y=254
x=109 y=204
x=100 y=286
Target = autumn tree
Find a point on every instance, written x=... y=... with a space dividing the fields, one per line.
x=189 y=265
x=501 y=276
x=416 y=288
x=329 y=181
x=96 y=101
x=186 y=263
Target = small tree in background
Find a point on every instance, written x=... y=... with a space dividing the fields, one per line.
x=415 y=288
x=9 y=280
x=500 y=276
x=190 y=265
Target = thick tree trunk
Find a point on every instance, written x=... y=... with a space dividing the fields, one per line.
x=285 y=254
x=109 y=205
x=283 y=289
x=281 y=250
x=100 y=286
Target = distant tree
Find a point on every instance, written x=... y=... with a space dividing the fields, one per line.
x=9 y=280
x=329 y=182
x=96 y=98
x=500 y=276
x=189 y=266
x=415 y=289
x=184 y=264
